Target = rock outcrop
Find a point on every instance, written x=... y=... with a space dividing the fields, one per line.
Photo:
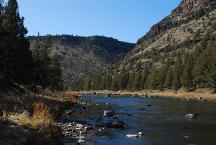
x=189 y=25
x=185 y=12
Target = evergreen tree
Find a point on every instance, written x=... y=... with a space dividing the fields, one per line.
x=187 y=72
x=123 y=79
x=152 y=80
x=17 y=62
x=169 y=79
x=177 y=74
x=130 y=81
x=115 y=81
x=55 y=73
x=162 y=75
x=37 y=58
x=108 y=80
x=87 y=83
x=210 y=64
x=198 y=69
x=144 y=77
x=137 y=81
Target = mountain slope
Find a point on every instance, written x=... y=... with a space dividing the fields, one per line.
x=187 y=26
x=85 y=56
x=179 y=52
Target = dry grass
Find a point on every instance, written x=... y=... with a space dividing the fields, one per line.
x=200 y=94
x=69 y=96
x=41 y=117
x=41 y=111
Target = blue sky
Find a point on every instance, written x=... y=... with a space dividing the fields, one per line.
x=126 y=20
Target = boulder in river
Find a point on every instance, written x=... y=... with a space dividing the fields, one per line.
x=107 y=95
x=115 y=124
x=68 y=112
x=139 y=134
x=191 y=116
x=109 y=113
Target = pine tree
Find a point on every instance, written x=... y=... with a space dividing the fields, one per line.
x=130 y=81
x=115 y=81
x=17 y=62
x=169 y=79
x=123 y=79
x=55 y=73
x=108 y=80
x=45 y=60
x=162 y=75
x=210 y=64
x=187 y=72
x=152 y=80
x=87 y=83
x=144 y=77
x=198 y=69
x=37 y=58
x=177 y=74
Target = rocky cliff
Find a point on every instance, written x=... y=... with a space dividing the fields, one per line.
x=187 y=11
x=193 y=22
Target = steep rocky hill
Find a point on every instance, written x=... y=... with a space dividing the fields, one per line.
x=189 y=25
x=81 y=56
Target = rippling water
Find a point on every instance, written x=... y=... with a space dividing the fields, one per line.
x=161 y=120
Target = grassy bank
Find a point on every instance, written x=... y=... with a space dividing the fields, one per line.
x=30 y=118
x=201 y=94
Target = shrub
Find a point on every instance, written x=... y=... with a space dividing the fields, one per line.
x=70 y=96
x=41 y=111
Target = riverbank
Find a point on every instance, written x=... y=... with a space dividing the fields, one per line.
x=201 y=94
x=28 y=117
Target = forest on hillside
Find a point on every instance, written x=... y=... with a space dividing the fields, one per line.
x=190 y=71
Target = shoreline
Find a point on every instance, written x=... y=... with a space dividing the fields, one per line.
x=199 y=95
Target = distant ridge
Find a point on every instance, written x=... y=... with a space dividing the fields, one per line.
x=85 y=56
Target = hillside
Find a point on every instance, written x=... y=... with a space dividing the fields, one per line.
x=84 y=56
x=186 y=27
x=178 y=52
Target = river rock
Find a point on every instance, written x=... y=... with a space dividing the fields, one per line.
x=191 y=116
x=68 y=112
x=107 y=95
x=109 y=113
x=115 y=124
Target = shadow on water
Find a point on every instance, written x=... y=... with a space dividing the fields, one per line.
x=162 y=121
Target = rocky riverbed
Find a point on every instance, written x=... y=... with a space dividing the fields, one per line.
x=116 y=120
x=86 y=120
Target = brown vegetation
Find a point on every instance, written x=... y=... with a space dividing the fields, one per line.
x=28 y=118
x=201 y=94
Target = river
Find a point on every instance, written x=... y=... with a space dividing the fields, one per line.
x=162 y=121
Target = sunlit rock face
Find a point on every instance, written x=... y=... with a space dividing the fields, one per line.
x=186 y=11
x=190 y=5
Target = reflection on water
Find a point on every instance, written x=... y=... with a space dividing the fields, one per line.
x=161 y=120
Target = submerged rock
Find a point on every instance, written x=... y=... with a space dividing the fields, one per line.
x=115 y=124
x=107 y=95
x=109 y=113
x=191 y=116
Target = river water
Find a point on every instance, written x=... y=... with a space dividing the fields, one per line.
x=162 y=121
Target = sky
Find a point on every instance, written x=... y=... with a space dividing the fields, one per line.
x=125 y=20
